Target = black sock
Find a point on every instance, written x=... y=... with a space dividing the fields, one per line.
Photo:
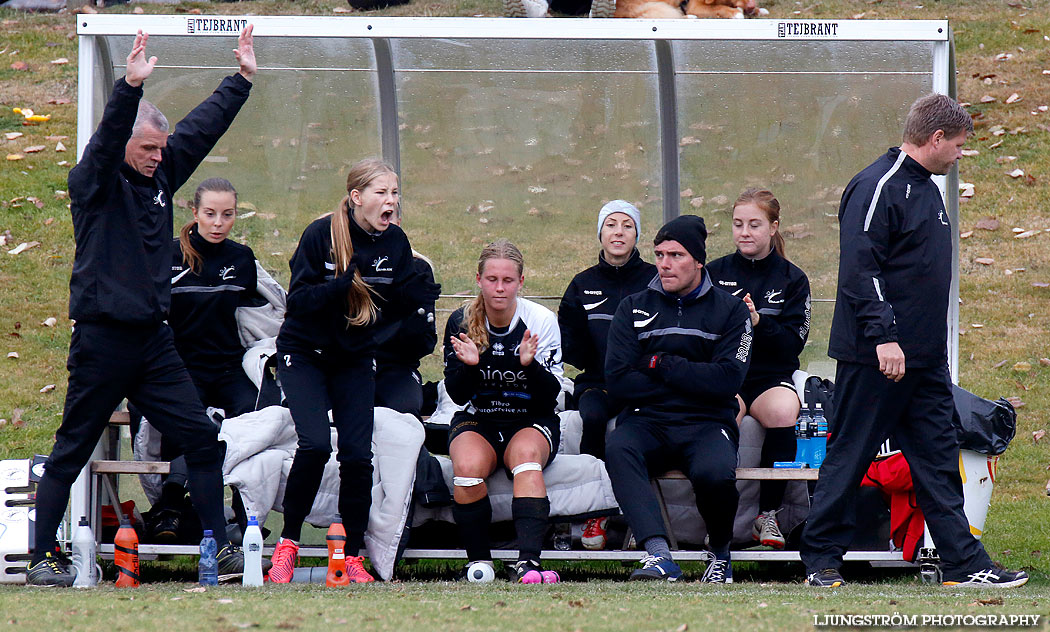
x=206 y=493
x=304 y=479
x=171 y=496
x=51 y=498
x=355 y=500
x=530 y=521
x=474 y=520
x=779 y=445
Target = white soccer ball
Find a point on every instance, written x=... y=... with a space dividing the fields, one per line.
x=480 y=572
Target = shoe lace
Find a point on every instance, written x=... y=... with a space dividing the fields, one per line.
x=716 y=571
x=283 y=555
x=57 y=563
x=771 y=524
x=650 y=561
x=593 y=528
x=355 y=565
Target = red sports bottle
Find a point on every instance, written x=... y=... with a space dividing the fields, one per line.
x=336 y=539
x=126 y=555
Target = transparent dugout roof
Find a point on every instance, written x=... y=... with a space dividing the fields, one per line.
x=523 y=129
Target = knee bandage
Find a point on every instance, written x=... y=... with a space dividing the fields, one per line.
x=466 y=481
x=531 y=466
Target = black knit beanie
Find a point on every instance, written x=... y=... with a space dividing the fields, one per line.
x=688 y=230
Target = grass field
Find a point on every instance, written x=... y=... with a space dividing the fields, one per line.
x=1004 y=318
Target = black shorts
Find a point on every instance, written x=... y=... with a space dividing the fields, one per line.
x=750 y=391
x=499 y=434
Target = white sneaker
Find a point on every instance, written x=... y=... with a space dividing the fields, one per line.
x=767 y=531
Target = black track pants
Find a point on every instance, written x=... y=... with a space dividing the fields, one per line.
x=705 y=451
x=595 y=410
x=399 y=388
x=917 y=412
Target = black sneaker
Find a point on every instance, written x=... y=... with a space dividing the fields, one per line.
x=54 y=570
x=994 y=577
x=230 y=561
x=718 y=571
x=165 y=527
x=827 y=578
x=656 y=568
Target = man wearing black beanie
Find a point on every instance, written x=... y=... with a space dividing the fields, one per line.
x=678 y=353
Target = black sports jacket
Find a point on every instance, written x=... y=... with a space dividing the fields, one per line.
x=895 y=259
x=780 y=291
x=703 y=344
x=587 y=310
x=122 y=220
x=405 y=341
x=204 y=306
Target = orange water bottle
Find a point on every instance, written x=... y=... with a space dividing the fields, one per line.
x=336 y=539
x=126 y=555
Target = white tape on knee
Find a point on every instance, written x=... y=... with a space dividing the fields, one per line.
x=531 y=466
x=466 y=481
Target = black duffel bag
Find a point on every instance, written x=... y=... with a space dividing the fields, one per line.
x=984 y=426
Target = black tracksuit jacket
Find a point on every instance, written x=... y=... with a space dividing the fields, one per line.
x=587 y=310
x=204 y=306
x=895 y=259
x=705 y=342
x=780 y=291
x=122 y=220
x=404 y=342
x=317 y=305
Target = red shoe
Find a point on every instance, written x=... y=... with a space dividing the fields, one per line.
x=594 y=534
x=355 y=571
x=284 y=557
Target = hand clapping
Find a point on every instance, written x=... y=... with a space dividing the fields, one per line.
x=751 y=308
x=527 y=350
x=465 y=349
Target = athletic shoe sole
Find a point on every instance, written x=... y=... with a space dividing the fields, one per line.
x=1014 y=584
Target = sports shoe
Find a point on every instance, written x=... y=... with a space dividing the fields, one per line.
x=719 y=571
x=827 y=578
x=657 y=568
x=513 y=9
x=54 y=570
x=530 y=572
x=165 y=527
x=594 y=534
x=766 y=530
x=282 y=562
x=355 y=570
x=602 y=8
x=994 y=577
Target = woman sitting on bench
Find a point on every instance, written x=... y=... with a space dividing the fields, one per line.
x=776 y=293
x=503 y=359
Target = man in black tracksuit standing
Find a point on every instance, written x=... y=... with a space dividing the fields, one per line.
x=120 y=292
x=889 y=335
x=677 y=355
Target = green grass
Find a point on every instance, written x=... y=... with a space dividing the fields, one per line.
x=34 y=286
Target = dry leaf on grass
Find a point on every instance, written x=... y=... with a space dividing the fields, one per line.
x=1022 y=366
x=33 y=149
x=1013 y=98
x=48 y=388
x=686 y=193
x=19 y=65
x=987 y=223
x=970 y=152
x=59 y=147
x=12 y=355
x=16 y=418
x=50 y=321
x=138 y=11
x=1026 y=234
x=1044 y=361
x=966 y=235
x=1037 y=435
x=59 y=62
x=13 y=157
x=13 y=135
x=1015 y=401
x=984 y=261
x=65 y=101
x=22 y=247
x=988 y=99
x=1016 y=173
x=1005 y=159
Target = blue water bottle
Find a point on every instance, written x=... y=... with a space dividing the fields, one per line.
x=803 y=442
x=820 y=438
x=208 y=568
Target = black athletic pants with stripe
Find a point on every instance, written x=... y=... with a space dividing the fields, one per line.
x=313 y=383
x=918 y=413
x=705 y=451
x=111 y=361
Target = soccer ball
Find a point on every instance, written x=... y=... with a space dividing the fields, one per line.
x=480 y=572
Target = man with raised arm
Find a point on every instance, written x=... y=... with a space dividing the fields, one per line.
x=678 y=352
x=120 y=291
x=890 y=337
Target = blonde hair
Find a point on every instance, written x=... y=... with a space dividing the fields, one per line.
x=474 y=313
x=363 y=309
x=190 y=256
x=768 y=204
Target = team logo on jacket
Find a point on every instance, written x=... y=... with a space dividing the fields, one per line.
x=497 y=349
x=727 y=283
x=907 y=192
x=590 y=306
x=771 y=296
x=158 y=199
x=643 y=323
x=227 y=273
x=745 y=342
x=378 y=265
x=940 y=216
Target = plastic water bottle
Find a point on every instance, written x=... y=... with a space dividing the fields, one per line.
x=336 y=540
x=84 y=554
x=820 y=438
x=126 y=555
x=208 y=567
x=253 y=545
x=803 y=443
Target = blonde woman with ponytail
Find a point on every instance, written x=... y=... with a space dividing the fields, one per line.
x=503 y=361
x=776 y=293
x=351 y=272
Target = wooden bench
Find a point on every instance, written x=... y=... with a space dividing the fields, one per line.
x=107 y=470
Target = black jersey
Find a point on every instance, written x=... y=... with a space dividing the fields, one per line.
x=780 y=291
x=587 y=310
x=122 y=220
x=498 y=387
x=203 y=306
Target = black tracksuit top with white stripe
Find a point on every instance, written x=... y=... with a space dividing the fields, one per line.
x=204 y=306
x=317 y=307
x=122 y=220
x=780 y=291
x=498 y=388
x=405 y=341
x=707 y=339
x=895 y=265
x=587 y=310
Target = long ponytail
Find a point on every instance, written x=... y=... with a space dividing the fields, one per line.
x=474 y=313
x=190 y=256
x=765 y=200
